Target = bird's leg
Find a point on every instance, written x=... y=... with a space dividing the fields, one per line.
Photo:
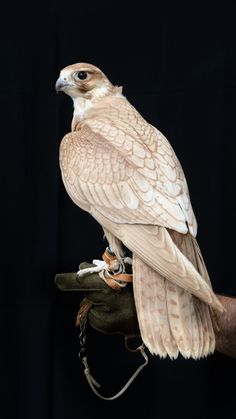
x=124 y=258
x=115 y=264
x=115 y=245
x=121 y=263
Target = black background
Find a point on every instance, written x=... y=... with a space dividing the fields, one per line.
x=176 y=61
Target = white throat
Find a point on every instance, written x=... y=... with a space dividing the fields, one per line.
x=81 y=105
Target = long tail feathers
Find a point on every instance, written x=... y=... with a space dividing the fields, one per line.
x=171 y=319
x=151 y=303
x=190 y=248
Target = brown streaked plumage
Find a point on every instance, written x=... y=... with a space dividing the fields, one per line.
x=124 y=172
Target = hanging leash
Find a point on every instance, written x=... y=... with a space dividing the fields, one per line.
x=81 y=321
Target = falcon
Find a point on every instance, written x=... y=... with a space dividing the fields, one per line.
x=124 y=172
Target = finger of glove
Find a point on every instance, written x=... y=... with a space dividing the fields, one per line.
x=72 y=282
x=67 y=281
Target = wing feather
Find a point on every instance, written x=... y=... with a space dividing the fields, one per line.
x=115 y=145
x=148 y=144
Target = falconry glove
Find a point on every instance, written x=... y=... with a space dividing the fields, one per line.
x=109 y=310
x=108 y=306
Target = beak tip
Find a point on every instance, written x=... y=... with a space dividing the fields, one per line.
x=58 y=85
x=63 y=85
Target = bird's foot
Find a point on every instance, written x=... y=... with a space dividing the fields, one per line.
x=101 y=265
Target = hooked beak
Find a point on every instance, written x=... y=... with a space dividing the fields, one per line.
x=62 y=84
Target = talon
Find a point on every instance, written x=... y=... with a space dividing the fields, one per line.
x=100 y=266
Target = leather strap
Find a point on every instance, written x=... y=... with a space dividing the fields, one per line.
x=123 y=277
x=108 y=258
x=93 y=383
x=114 y=280
x=83 y=311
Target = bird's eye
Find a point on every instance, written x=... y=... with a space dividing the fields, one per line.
x=82 y=75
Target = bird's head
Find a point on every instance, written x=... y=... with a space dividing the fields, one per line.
x=83 y=80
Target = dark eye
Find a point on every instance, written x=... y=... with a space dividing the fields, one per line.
x=82 y=75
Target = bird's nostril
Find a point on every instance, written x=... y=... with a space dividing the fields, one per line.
x=64 y=78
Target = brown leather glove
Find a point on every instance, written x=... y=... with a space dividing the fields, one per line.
x=111 y=311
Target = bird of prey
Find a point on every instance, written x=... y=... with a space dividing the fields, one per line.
x=124 y=172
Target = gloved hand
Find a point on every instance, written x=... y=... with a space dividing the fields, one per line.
x=109 y=311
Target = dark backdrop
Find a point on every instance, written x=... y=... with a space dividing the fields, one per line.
x=177 y=64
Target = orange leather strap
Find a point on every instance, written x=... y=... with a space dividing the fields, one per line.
x=114 y=280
